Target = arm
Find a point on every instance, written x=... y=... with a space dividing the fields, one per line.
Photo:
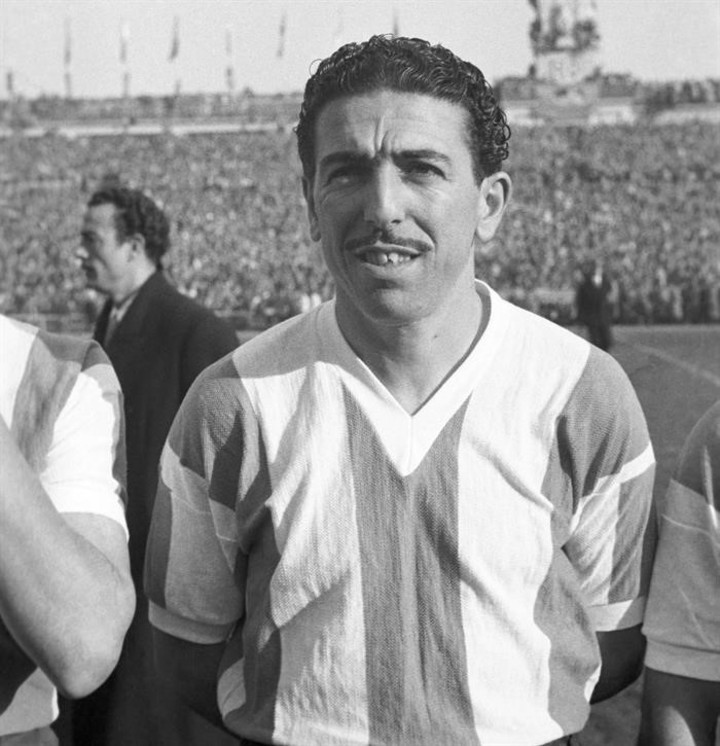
x=191 y=670
x=65 y=591
x=613 y=540
x=681 y=698
x=678 y=711
x=195 y=585
x=622 y=653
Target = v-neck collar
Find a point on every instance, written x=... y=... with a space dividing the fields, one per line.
x=407 y=437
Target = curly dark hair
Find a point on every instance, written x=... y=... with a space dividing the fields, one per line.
x=411 y=66
x=136 y=213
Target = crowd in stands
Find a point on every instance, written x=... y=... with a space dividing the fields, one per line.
x=645 y=198
x=48 y=111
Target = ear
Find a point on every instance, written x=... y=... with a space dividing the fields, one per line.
x=494 y=196
x=307 y=186
x=137 y=246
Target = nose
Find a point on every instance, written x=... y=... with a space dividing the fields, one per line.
x=384 y=199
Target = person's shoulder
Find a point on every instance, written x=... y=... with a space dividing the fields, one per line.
x=554 y=342
x=699 y=464
x=707 y=428
x=287 y=346
x=65 y=350
x=181 y=309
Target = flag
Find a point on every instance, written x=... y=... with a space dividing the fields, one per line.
x=175 y=44
x=68 y=43
x=124 y=39
x=10 y=83
x=281 y=35
x=396 y=24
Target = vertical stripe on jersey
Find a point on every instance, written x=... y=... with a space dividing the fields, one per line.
x=264 y=662
x=50 y=374
x=416 y=665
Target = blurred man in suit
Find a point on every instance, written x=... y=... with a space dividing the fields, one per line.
x=158 y=341
x=594 y=307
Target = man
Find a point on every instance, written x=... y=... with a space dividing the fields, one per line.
x=415 y=514
x=158 y=341
x=681 y=695
x=66 y=597
x=592 y=302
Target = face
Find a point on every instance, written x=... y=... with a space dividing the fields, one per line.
x=104 y=260
x=395 y=203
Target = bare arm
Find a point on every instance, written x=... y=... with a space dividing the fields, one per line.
x=622 y=658
x=679 y=711
x=191 y=670
x=66 y=595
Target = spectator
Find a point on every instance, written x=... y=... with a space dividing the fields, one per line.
x=593 y=304
x=242 y=246
x=66 y=597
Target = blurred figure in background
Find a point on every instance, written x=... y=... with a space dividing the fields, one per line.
x=158 y=340
x=681 y=697
x=66 y=596
x=593 y=304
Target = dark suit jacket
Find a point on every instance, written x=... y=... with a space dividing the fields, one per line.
x=159 y=347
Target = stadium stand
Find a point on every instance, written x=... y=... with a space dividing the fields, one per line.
x=643 y=196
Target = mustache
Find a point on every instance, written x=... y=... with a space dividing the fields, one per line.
x=387 y=237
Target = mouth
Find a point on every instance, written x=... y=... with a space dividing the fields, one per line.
x=383 y=257
x=387 y=250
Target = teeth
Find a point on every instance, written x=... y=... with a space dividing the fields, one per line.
x=380 y=258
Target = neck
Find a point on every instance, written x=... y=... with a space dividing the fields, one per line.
x=414 y=359
x=120 y=294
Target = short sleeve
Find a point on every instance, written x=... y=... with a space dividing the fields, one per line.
x=612 y=465
x=194 y=571
x=682 y=623
x=84 y=470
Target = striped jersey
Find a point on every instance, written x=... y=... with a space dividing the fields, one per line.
x=682 y=624
x=387 y=578
x=61 y=401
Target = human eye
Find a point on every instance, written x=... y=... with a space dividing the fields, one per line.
x=343 y=174
x=422 y=168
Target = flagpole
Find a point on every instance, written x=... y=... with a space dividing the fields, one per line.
x=124 y=43
x=230 y=68
x=175 y=52
x=67 y=59
x=281 y=35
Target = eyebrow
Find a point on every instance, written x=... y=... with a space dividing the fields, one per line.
x=351 y=156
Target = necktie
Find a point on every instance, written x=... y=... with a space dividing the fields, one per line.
x=113 y=321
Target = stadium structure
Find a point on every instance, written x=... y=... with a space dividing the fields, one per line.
x=565 y=85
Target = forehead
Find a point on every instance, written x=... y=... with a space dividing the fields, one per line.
x=99 y=218
x=391 y=121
